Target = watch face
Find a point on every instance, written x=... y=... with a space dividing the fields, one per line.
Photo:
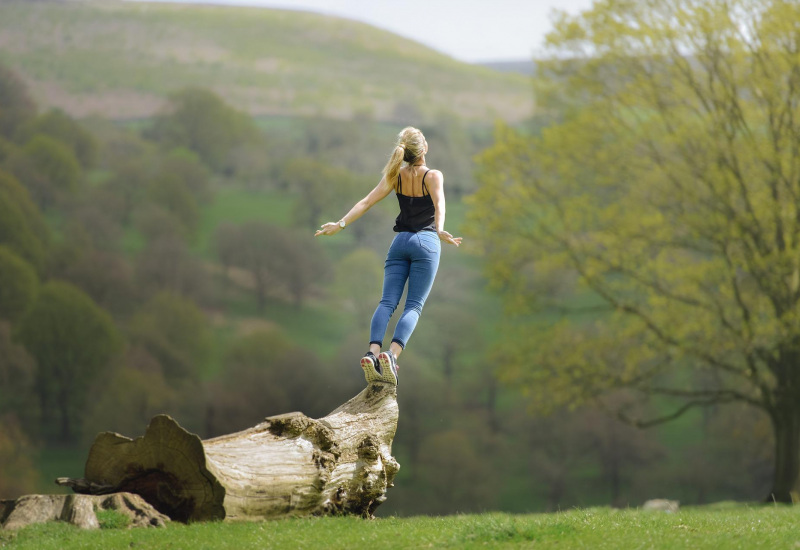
x=342 y=223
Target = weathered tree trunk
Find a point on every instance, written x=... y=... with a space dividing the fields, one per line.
x=80 y=510
x=287 y=465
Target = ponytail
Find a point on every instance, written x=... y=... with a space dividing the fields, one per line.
x=411 y=145
x=392 y=169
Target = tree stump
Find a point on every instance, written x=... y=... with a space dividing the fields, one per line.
x=287 y=465
x=80 y=510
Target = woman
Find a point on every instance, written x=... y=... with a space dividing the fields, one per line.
x=415 y=250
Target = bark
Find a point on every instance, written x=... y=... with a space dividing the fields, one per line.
x=80 y=510
x=786 y=425
x=287 y=465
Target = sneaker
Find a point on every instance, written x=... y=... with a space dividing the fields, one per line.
x=371 y=367
x=388 y=365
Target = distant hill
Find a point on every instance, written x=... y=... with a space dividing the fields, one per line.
x=121 y=59
x=527 y=68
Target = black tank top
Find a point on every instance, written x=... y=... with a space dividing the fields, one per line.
x=416 y=213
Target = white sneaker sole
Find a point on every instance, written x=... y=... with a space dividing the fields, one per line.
x=389 y=375
x=370 y=373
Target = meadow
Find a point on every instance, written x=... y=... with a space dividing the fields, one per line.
x=726 y=525
x=119 y=59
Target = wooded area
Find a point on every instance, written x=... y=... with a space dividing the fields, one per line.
x=639 y=237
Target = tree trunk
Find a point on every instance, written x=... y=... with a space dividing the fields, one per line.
x=287 y=465
x=786 y=425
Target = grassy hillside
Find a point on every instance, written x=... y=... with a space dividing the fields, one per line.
x=119 y=59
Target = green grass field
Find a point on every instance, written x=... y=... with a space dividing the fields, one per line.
x=724 y=526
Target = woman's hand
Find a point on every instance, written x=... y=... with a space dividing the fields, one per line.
x=330 y=228
x=448 y=238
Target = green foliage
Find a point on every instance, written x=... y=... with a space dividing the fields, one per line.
x=279 y=261
x=17 y=377
x=234 y=205
x=19 y=284
x=16 y=101
x=48 y=168
x=321 y=188
x=129 y=184
x=131 y=396
x=60 y=126
x=357 y=281
x=21 y=226
x=18 y=475
x=200 y=121
x=187 y=166
x=73 y=341
x=176 y=332
x=662 y=187
x=264 y=374
x=703 y=528
x=166 y=264
x=169 y=191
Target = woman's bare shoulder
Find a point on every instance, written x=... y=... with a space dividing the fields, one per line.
x=435 y=175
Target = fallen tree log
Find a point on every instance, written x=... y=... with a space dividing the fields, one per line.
x=287 y=465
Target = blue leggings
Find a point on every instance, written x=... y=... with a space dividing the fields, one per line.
x=413 y=257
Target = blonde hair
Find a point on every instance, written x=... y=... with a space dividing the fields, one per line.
x=410 y=147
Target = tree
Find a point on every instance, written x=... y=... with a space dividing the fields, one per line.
x=186 y=166
x=72 y=340
x=262 y=367
x=666 y=182
x=22 y=228
x=18 y=475
x=16 y=105
x=452 y=335
x=278 y=261
x=58 y=125
x=202 y=122
x=104 y=276
x=357 y=282
x=129 y=398
x=47 y=168
x=169 y=191
x=166 y=264
x=322 y=188
x=175 y=331
x=129 y=185
x=19 y=284
x=299 y=265
x=17 y=377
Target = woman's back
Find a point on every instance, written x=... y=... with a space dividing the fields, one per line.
x=411 y=181
x=417 y=211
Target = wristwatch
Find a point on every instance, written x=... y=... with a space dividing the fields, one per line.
x=342 y=223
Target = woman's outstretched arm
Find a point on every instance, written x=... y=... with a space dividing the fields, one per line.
x=376 y=195
x=436 y=189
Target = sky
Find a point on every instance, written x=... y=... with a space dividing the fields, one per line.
x=468 y=30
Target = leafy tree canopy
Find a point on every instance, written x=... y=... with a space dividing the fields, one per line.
x=202 y=122
x=664 y=183
x=19 y=284
x=22 y=228
x=58 y=125
x=175 y=331
x=72 y=340
x=16 y=105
